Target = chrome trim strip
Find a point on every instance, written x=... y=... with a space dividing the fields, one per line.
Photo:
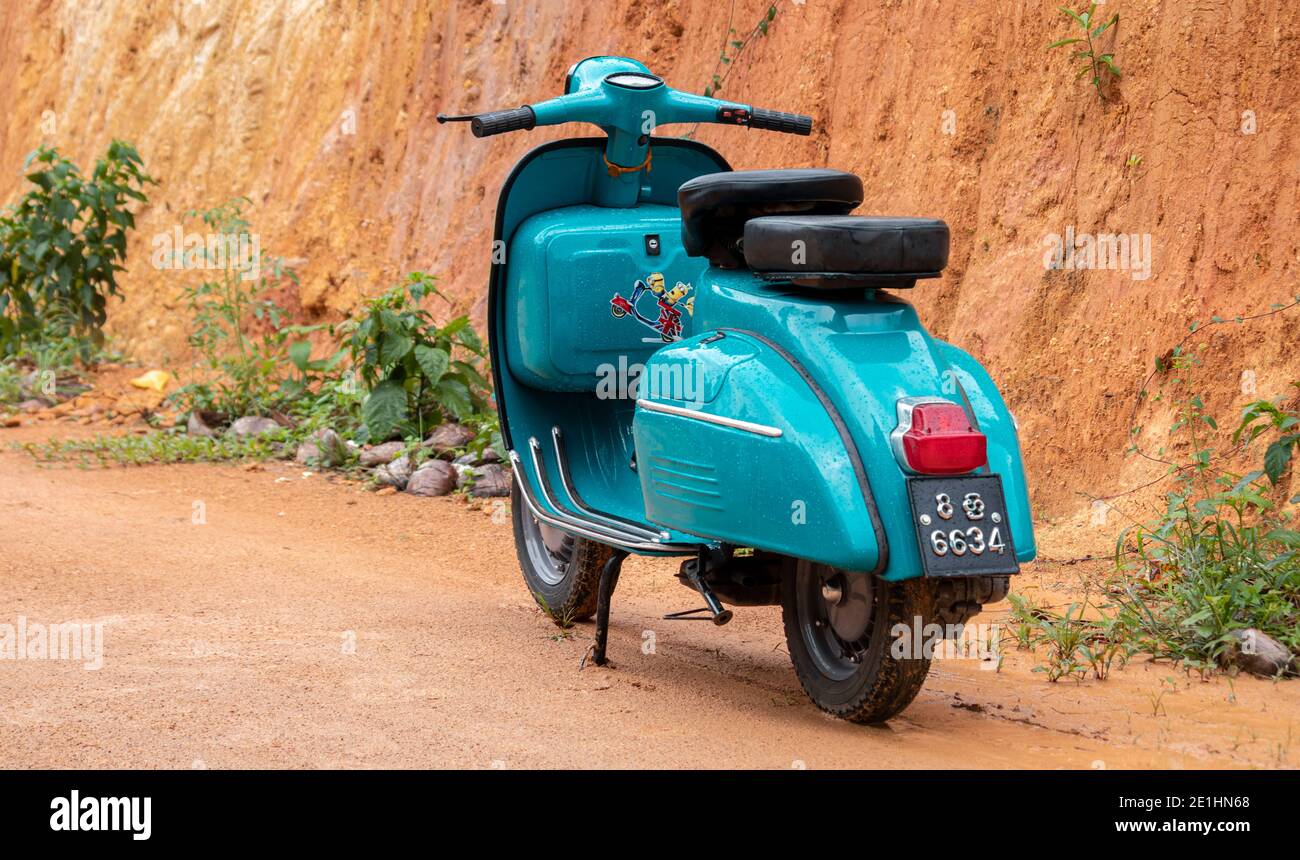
x=566 y=481
x=720 y=420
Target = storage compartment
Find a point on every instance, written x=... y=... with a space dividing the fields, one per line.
x=594 y=291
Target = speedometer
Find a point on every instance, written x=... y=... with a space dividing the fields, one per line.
x=634 y=80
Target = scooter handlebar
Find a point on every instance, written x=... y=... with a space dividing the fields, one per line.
x=775 y=120
x=497 y=121
x=769 y=120
x=501 y=121
x=677 y=107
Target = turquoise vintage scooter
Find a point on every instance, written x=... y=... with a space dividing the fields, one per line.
x=698 y=362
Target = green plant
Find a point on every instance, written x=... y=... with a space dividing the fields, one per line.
x=1222 y=557
x=47 y=369
x=487 y=434
x=249 y=351
x=11 y=382
x=1074 y=643
x=62 y=245
x=1094 y=62
x=564 y=619
x=417 y=372
x=331 y=401
x=1025 y=617
x=1262 y=416
x=167 y=446
x=1106 y=642
x=1063 y=635
x=737 y=43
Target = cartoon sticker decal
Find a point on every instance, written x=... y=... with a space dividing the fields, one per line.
x=669 y=322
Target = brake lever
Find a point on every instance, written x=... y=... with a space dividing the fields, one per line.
x=442 y=117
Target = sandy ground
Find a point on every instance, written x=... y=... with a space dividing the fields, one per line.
x=229 y=644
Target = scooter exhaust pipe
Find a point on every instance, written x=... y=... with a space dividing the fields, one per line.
x=718 y=614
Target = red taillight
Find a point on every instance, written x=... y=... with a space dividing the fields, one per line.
x=940 y=440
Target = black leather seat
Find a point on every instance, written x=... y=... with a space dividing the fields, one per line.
x=846 y=251
x=716 y=207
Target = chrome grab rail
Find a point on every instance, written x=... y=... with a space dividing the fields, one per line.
x=566 y=481
x=566 y=521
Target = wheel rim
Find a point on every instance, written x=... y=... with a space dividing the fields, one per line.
x=835 y=611
x=549 y=550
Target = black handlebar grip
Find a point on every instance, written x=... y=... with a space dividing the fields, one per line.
x=775 y=120
x=501 y=121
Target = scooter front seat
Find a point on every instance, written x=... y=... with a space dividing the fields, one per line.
x=715 y=207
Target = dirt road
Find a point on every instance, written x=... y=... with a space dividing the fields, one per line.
x=229 y=643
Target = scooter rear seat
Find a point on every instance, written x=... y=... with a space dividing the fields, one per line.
x=846 y=251
x=793 y=225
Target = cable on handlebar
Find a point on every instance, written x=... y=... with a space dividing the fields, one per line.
x=617 y=170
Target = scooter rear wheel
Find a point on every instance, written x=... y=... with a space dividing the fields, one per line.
x=562 y=572
x=838 y=629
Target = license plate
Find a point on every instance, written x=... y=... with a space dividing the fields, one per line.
x=961 y=525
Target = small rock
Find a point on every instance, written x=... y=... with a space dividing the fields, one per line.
x=381 y=454
x=325 y=448
x=394 y=474
x=1260 y=654
x=32 y=405
x=385 y=491
x=465 y=460
x=307 y=453
x=490 y=481
x=31 y=383
x=252 y=425
x=433 y=478
x=490 y=456
x=11 y=421
x=196 y=427
x=447 y=437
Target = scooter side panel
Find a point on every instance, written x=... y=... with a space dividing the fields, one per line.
x=780 y=479
x=865 y=351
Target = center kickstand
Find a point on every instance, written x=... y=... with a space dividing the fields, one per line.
x=608 y=579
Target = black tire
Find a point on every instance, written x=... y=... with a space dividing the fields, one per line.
x=864 y=683
x=563 y=576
